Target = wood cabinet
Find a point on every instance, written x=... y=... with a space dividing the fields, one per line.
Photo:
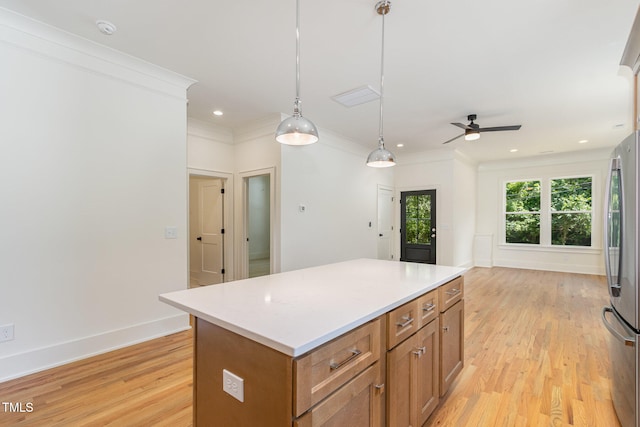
x=452 y=345
x=321 y=372
x=357 y=404
x=451 y=332
x=412 y=376
x=389 y=371
x=631 y=58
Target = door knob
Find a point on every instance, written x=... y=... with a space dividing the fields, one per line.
x=199 y=238
x=380 y=235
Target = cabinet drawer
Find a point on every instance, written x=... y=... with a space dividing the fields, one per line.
x=428 y=307
x=402 y=323
x=324 y=370
x=450 y=293
x=357 y=403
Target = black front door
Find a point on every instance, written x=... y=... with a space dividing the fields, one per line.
x=418 y=226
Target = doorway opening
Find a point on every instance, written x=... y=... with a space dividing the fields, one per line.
x=418 y=226
x=206 y=247
x=258 y=219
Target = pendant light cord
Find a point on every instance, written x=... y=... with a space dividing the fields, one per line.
x=297 y=101
x=381 y=138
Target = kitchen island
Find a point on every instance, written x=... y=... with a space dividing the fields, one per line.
x=291 y=349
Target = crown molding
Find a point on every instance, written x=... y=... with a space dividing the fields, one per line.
x=51 y=42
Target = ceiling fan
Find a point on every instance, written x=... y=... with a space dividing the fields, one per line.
x=472 y=130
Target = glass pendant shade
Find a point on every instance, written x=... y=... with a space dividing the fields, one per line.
x=296 y=130
x=381 y=157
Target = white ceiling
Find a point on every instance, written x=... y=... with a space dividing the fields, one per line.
x=550 y=65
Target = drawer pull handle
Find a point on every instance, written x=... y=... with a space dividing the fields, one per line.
x=420 y=351
x=407 y=321
x=354 y=353
x=453 y=291
x=428 y=307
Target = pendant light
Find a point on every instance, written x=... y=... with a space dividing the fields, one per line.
x=296 y=130
x=381 y=157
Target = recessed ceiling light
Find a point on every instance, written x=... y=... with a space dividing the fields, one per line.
x=400 y=145
x=583 y=141
x=217 y=113
x=513 y=150
x=106 y=27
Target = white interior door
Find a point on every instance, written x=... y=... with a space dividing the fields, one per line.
x=207 y=231
x=385 y=213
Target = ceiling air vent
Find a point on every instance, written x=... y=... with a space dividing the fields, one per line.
x=357 y=96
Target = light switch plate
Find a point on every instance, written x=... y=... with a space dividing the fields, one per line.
x=233 y=384
x=170 y=232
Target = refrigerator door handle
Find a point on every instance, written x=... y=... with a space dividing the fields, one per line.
x=629 y=340
x=614 y=288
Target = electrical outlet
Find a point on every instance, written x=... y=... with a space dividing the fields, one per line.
x=233 y=384
x=6 y=332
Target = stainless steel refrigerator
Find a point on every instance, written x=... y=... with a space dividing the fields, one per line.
x=622 y=317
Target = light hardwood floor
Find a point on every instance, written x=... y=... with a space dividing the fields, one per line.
x=536 y=355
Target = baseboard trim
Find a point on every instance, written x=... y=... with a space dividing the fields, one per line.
x=29 y=362
x=563 y=268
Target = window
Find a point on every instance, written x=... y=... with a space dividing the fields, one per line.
x=556 y=212
x=571 y=212
x=522 y=212
x=418 y=219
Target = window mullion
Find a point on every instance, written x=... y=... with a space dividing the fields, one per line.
x=545 y=212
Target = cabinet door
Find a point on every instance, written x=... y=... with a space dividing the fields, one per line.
x=357 y=404
x=413 y=378
x=401 y=384
x=451 y=345
x=427 y=371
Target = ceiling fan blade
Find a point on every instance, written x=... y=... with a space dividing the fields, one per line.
x=453 y=139
x=500 y=128
x=460 y=125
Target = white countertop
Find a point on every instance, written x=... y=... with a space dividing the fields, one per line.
x=297 y=311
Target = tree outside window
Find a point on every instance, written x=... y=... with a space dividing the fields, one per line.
x=522 y=210
x=418 y=219
x=567 y=216
x=571 y=211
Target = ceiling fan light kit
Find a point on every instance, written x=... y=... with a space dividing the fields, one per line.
x=381 y=157
x=296 y=130
x=472 y=131
x=471 y=135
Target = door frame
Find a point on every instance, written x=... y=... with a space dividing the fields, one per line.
x=228 y=222
x=243 y=247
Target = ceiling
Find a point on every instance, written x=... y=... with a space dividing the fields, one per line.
x=550 y=65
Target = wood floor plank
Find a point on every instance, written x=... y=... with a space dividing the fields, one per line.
x=535 y=340
x=536 y=355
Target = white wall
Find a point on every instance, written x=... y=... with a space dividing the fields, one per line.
x=256 y=152
x=464 y=210
x=92 y=171
x=330 y=178
x=211 y=153
x=491 y=179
